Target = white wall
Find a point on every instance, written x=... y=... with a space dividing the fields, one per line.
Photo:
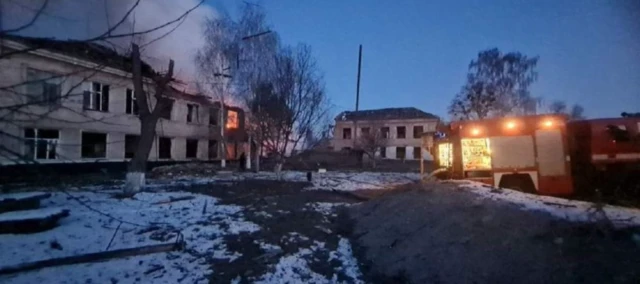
x=71 y=119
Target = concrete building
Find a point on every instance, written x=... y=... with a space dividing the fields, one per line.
x=401 y=130
x=69 y=101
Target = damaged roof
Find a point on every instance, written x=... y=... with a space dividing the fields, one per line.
x=386 y=114
x=90 y=51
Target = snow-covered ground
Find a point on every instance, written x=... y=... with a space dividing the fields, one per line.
x=149 y=219
x=145 y=223
x=572 y=210
x=340 y=181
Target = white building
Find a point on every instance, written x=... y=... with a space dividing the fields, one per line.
x=401 y=128
x=69 y=101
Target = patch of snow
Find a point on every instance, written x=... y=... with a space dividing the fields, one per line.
x=267 y=247
x=326 y=208
x=572 y=210
x=86 y=231
x=349 y=267
x=20 y=195
x=263 y=214
x=294 y=268
x=34 y=214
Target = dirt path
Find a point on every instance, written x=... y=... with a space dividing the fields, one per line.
x=438 y=234
x=293 y=223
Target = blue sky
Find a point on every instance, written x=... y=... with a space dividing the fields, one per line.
x=416 y=52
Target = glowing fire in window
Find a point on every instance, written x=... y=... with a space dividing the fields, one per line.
x=232 y=119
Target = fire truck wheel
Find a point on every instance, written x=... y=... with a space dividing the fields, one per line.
x=520 y=182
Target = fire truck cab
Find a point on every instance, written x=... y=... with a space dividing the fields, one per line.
x=527 y=153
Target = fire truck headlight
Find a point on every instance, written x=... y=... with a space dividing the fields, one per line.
x=548 y=123
x=475 y=131
x=510 y=125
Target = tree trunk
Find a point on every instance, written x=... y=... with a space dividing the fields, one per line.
x=138 y=166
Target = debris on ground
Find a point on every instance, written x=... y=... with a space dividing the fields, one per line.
x=438 y=233
x=186 y=169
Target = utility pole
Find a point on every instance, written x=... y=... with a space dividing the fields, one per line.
x=358 y=84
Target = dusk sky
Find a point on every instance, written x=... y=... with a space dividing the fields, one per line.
x=416 y=52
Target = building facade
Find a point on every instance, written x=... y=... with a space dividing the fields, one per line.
x=401 y=131
x=73 y=102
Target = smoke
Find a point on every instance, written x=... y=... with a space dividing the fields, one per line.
x=82 y=19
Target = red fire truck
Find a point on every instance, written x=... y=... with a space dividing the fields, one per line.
x=544 y=154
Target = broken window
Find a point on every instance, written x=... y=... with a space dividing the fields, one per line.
x=417 y=153
x=417 y=131
x=43 y=87
x=41 y=143
x=213 y=149
x=385 y=132
x=402 y=132
x=94 y=145
x=232 y=119
x=97 y=97
x=130 y=145
x=401 y=152
x=346 y=133
x=192 y=113
x=383 y=152
x=166 y=112
x=131 y=103
x=192 y=148
x=214 y=115
x=164 y=148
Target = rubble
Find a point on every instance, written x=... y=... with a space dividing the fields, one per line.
x=187 y=169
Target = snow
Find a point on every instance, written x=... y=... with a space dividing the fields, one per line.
x=326 y=208
x=144 y=223
x=340 y=181
x=344 y=254
x=35 y=214
x=572 y=210
x=294 y=269
x=21 y=195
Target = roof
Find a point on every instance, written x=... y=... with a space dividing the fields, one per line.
x=90 y=51
x=386 y=114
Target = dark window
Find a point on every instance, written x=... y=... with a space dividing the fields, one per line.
x=166 y=112
x=401 y=152
x=97 y=97
x=41 y=144
x=164 y=148
x=130 y=145
x=131 y=103
x=94 y=145
x=365 y=131
x=417 y=131
x=346 y=133
x=192 y=148
x=213 y=149
x=214 y=116
x=192 y=113
x=385 y=132
x=383 y=152
x=43 y=87
x=417 y=153
x=402 y=132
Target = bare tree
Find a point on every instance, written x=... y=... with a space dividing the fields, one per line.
x=560 y=107
x=371 y=140
x=299 y=89
x=237 y=57
x=18 y=108
x=497 y=85
x=148 y=118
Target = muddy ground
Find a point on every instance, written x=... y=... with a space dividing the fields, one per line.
x=436 y=233
x=287 y=219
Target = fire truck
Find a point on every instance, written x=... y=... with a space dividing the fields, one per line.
x=543 y=154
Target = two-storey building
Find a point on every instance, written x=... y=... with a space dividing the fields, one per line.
x=71 y=101
x=401 y=129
